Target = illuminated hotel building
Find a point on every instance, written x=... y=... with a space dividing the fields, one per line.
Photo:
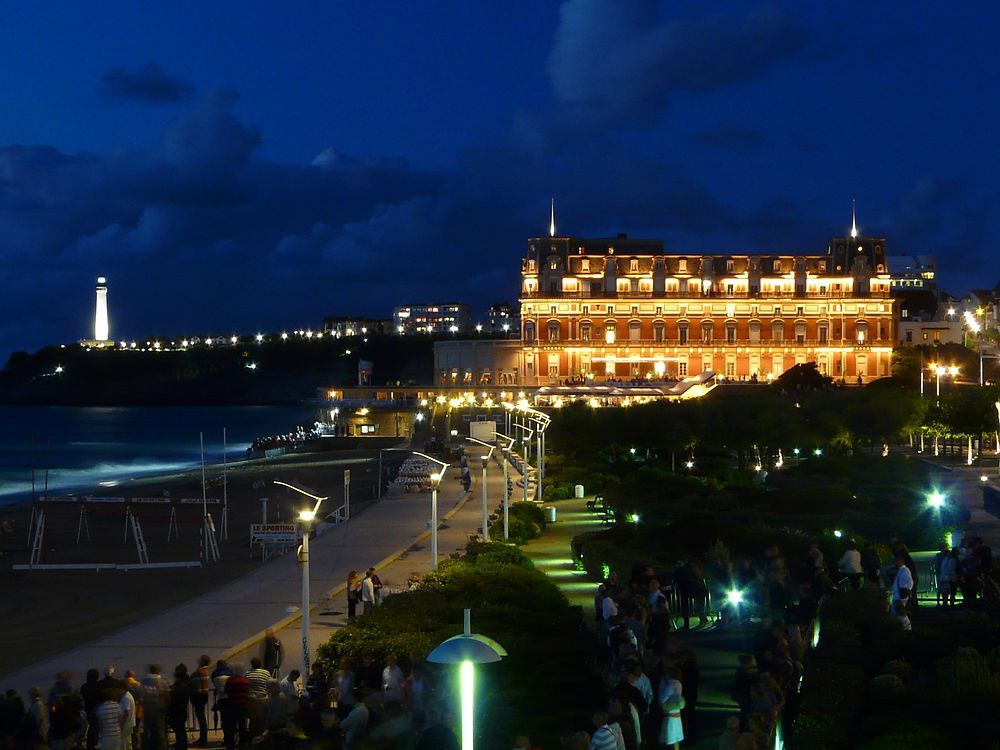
x=627 y=309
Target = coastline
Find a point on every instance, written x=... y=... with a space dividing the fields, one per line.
x=53 y=611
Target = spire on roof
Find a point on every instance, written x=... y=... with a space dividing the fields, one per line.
x=552 y=219
x=854 y=220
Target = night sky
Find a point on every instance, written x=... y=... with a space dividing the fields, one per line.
x=234 y=167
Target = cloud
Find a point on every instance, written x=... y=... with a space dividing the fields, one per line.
x=620 y=61
x=731 y=136
x=148 y=85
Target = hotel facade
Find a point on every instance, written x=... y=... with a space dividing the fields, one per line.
x=626 y=309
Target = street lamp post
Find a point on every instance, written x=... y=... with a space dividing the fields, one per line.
x=486 y=460
x=486 y=507
x=435 y=481
x=306 y=517
x=467 y=650
x=506 y=491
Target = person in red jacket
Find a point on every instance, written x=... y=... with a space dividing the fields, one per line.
x=238 y=700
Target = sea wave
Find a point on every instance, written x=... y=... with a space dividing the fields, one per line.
x=15 y=489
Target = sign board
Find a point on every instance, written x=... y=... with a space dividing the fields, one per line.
x=273 y=533
x=484 y=431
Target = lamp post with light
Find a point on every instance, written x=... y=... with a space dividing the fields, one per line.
x=486 y=508
x=467 y=650
x=306 y=517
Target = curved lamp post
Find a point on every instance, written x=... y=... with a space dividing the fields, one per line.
x=466 y=650
x=486 y=507
x=306 y=517
x=435 y=479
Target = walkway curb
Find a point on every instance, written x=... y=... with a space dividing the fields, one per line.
x=338 y=590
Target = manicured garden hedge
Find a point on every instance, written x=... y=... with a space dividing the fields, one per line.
x=526 y=522
x=871 y=685
x=542 y=689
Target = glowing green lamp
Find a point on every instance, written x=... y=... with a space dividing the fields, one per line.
x=467 y=650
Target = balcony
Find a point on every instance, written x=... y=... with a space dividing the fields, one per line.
x=713 y=294
x=697 y=342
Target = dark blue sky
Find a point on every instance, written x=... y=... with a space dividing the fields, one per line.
x=244 y=166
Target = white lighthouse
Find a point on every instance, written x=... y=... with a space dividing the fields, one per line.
x=101 y=328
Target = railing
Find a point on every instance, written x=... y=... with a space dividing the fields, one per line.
x=696 y=294
x=695 y=342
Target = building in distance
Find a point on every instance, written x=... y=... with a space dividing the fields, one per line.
x=355 y=326
x=503 y=318
x=446 y=317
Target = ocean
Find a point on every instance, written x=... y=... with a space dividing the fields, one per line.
x=83 y=446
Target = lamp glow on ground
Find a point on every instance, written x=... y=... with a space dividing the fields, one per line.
x=467 y=650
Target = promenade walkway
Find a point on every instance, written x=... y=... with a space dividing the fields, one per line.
x=330 y=611
x=716 y=648
x=391 y=535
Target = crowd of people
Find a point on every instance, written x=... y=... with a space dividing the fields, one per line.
x=653 y=670
x=380 y=704
x=288 y=441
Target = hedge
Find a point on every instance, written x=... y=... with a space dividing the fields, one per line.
x=543 y=688
x=525 y=522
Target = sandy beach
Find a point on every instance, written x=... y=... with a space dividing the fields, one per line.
x=45 y=612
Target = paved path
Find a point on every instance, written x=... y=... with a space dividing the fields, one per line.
x=231 y=619
x=330 y=613
x=716 y=648
x=963 y=484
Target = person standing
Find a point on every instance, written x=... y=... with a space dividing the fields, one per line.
x=948 y=579
x=201 y=686
x=272 y=653
x=850 y=565
x=108 y=718
x=871 y=563
x=902 y=590
x=377 y=585
x=177 y=712
x=672 y=702
x=392 y=681
x=92 y=696
x=691 y=679
x=126 y=702
x=368 y=592
x=345 y=687
x=353 y=594
x=38 y=714
x=134 y=688
x=234 y=713
x=155 y=699
x=259 y=678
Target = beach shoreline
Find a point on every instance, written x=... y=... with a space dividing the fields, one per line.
x=53 y=611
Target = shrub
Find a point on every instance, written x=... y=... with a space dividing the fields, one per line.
x=514 y=603
x=525 y=522
x=900 y=668
x=911 y=736
x=886 y=688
